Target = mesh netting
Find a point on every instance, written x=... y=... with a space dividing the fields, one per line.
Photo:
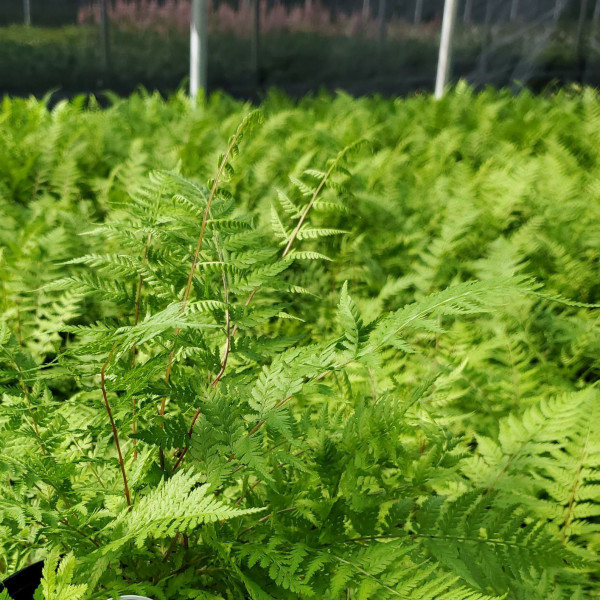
x=361 y=46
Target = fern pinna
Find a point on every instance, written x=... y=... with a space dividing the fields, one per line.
x=217 y=442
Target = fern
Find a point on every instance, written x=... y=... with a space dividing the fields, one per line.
x=176 y=505
x=56 y=580
x=333 y=370
x=554 y=444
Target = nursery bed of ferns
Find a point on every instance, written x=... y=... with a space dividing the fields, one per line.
x=339 y=348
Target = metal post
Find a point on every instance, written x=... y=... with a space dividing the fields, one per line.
x=580 y=25
x=468 y=11
x=445 y=57
x=105 y=44
x=487 y=42
x=418 y=11
x=382 y=21
x=366 y=9
x=558 y=6
x=256 y=43
x=27 y=12
x=580 y=44
x=198 y=48
x=514 y=10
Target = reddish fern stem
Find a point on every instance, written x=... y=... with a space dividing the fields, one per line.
x=183 y=452
x=307 y=209
x=188 y=287
x=250 y=297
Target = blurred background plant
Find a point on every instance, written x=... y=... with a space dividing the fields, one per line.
x=300 y=46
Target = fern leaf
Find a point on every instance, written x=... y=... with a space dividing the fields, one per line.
x=178 y=504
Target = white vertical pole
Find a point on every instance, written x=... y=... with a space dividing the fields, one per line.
x=445 y=57
x=468 y=10
x=418 y=11
x=198 y=48
x=382 y=21
x=27 y=12
x=366 y=10
x=105 y=45
x=558 y=6
x=514 y=10
x=581 y=23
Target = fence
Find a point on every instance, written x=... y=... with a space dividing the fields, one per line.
x=361 y=46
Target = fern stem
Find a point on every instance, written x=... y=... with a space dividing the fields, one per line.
x=252 y=487
x=93 y=469
x=138 y=295
x=452 y=538
x=307 y=209
x=262 y=421
x=112 y=423
x=259 y=481
x=247 y=303
x=232 y=332
x=81 y=533
x=365 y=573
x=227 y=316
x=209 y=202
x=266 y=518
x=136 y=318
x=298 y=225
x=171 y=547
x=183 y=452
x=188 y=287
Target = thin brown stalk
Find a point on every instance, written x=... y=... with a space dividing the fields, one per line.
x=247 y=303
x=113 y=425
x=295 y=232
x=227 y=317
x=209 y=202
x=19 y=327
x=231 y=334
x=180 y=458
x=171 y=547
x=188 y=287
x=307 y=209
x=227 y=350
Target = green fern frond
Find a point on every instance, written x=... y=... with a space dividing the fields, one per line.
x=178 y=504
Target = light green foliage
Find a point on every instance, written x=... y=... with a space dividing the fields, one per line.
x=339 y=369
x=56 y=580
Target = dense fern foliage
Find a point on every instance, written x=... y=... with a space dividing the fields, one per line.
x=335 y=349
